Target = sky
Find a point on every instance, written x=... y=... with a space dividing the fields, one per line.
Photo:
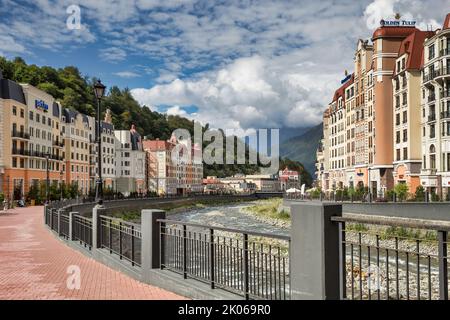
x=232 y=64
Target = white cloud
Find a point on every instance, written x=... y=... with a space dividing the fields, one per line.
x=112 y=54
x=127 y=74
x=268 y=63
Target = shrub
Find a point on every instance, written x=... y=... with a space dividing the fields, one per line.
x=419 y=195
x=401 y=190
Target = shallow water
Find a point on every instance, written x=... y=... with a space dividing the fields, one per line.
x=228 y=216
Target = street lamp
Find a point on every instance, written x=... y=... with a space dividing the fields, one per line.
x=99 y=90
x=61 y=184
x=47 y=185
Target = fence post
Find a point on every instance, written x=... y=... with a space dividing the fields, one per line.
x=443 y=273
x=97 y=211
x=71 y=214
x=46 y=207
x=152 y=250
x=60 y=212
x=211 y=257
x=315 y=260
x=246 y=273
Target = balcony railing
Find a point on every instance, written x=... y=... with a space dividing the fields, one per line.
x=58 y=144
x=445 y=114
x=431 y=98
x=22 y=152
x=20 y=134
x=432 y=117
x=445 y=52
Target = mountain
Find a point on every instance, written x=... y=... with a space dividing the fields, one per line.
x=303 y=147
x=288 y=133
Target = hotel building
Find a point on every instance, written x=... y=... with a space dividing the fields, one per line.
x=359 y=123
x=29 y=119
x=77 y=132
x=435 y=174
x=407 y=110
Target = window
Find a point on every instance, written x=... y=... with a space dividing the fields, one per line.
x=397 y=137
x=404 y=98
x=43 y=119
x=405 y=117
x=431 y=52
x=432 y=131
x=38 y=117
x=405 y=153
x=22 y=113
x=14 y=110
x=398 y=154
x=397 y=119
x=405 y=135
x=31 y=115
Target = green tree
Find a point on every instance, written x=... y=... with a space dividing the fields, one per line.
x=401 y=190
x=419 y=195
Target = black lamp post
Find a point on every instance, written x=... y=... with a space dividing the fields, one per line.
x=47 y=184
x=99 y=90
x=61 y=184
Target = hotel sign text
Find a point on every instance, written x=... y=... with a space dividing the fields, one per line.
x=397 y=23
x=39 y=104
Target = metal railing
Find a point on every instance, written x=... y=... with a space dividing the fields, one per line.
x=20 y=134
x=121 y=238
x=64 y=228
x=54 y=220
x=255 y=265
x=387 y=260
x=82 y=230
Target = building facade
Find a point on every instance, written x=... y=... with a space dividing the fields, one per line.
x=435 y=173
x=387 y=123
x=130 y=162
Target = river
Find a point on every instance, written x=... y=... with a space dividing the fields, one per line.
x=228 y=216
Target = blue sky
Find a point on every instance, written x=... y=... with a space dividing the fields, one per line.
x=233 y=64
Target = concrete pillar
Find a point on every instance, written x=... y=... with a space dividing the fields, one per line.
x=314 y=254
x=97 y=211
x=71 y=214
x=151 y=238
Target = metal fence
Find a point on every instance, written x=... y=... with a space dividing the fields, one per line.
x=121 y=238
x=253 y=264
x=64 y=227
x=82 y=230
x=388 y=260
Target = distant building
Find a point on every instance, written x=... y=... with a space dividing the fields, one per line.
x=264 y=182
x=130 y=161
x=289 y=179
x=169 y=170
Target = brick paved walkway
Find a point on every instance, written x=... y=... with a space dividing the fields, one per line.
x=33 y=265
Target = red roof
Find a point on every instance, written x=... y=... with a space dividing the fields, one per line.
x=341 y=91
x=157 y=145
x=392 y=32
x=447 y=22
x=413 y=46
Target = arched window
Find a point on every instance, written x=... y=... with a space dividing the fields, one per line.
x=432 y=149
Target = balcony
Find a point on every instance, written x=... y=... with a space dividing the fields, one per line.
x=58 y=144
x=431 y=98
x=445 y=114
x=445 y=52
x=21 y=152
x=432 y=117
x=20 y=134
x=429 y=172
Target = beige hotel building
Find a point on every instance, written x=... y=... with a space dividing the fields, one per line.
x=389 y=122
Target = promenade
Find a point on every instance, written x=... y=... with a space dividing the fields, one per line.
x=34 y=265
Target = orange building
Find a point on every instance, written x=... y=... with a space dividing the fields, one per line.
x=29 y=139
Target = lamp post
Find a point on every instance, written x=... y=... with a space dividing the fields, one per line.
x=99 y=90
x=61 y=184
x=47 y=184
